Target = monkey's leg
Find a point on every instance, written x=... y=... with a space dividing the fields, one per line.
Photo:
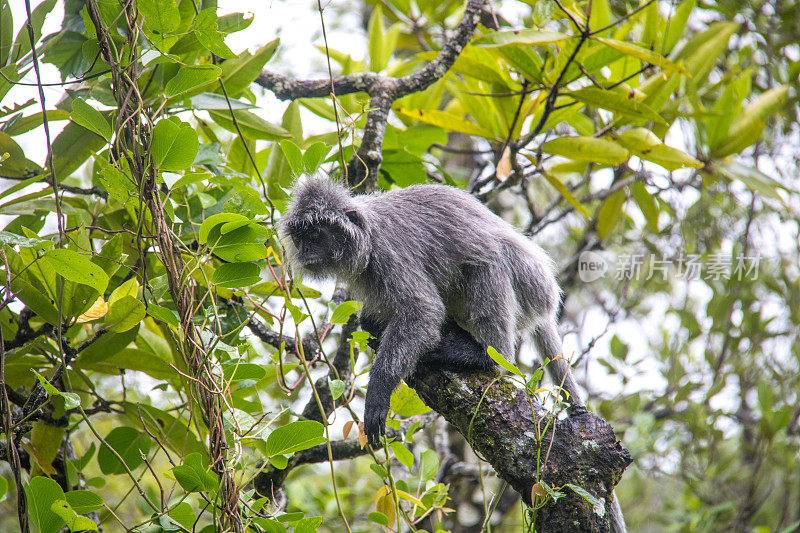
x=548 y=343
x=458 y=350
x=401 y=346
x=490 y=307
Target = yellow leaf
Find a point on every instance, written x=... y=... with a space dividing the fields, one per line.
x=380 y=493
x=408 y=497
x=447 y=121
x=98 y=310
x=273 y=253
x=385 y=505
x=648 y=56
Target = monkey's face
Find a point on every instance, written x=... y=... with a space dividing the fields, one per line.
x=318 y=247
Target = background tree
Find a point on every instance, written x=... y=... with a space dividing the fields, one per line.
x=158 y=366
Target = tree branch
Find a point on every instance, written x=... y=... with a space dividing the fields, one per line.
x=363 y=167
x=502 y=425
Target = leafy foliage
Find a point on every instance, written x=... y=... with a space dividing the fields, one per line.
x=147 y=314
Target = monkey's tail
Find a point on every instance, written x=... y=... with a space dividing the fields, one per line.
x=548 y=343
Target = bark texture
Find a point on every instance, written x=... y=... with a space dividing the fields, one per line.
x=513 y=435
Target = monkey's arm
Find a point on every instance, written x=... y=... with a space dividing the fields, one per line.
x=374 y=328
x=402 y=343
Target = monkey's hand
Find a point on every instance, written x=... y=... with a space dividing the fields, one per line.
x=375 y=411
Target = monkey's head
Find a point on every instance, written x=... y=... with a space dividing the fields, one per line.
x=324 y=230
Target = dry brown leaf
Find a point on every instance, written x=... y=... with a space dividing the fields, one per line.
x=504 y=166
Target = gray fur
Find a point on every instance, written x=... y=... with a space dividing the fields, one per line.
x=418 y=258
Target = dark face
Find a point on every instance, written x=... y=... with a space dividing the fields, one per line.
x=317 y=246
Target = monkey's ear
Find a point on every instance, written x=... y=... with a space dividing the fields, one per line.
x=355 y=217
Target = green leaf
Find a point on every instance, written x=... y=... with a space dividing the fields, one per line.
x=235 y=275
x=610 y=213
x=279 y=461
x=378 y=518
x=381 y=42
x=308 y=524
x=161 y=16
x=35 y=299
x=428 y=465
x=293 y=437
x=42 y=492
x=242 y=244
x=587 y=149
x=648 y=56
x=336 y=387
x=313 y=157
x=597 y=506
x=402 y=454
x=73 y=521
x=193 y=476
x=217 y=220
x=502 y=361
x=71 y=400
x=447 y=121
x=72 y=147
x=174 y=145
x=294 y=156
x=205 y=29
x=31 y=122
x=752 y=178
x=190 y=78
x=250 y=124
x=618 y=101
x=163 y=314
x=677 y=23
x=238 y=73
x=119 y=185
x=239 y=370
x=107 y=346
x=217 y=101
x=129 y=443
x=647 y=204
x=644 y=144
x=84 y=501
x=15 y=164
x=766 y=103
x=750 y=123
x=133 y=359
x=183 y=513
x=22 y=44
x=76 y=268
x=123 y=314
x=343 y=311
x=405 y=402
x=701 y=52
x=91 y=119
x=534 y=37
x=6 y=33
x=12 y=239
x=3 y=487
x=566 y=193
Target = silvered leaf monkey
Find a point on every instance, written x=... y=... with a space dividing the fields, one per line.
x=430 y=262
